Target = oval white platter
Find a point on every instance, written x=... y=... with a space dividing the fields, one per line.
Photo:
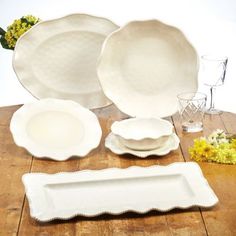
x=144 y=65
x=113 y=143
x=115 y=191
x=56 y=129
x=58 y=58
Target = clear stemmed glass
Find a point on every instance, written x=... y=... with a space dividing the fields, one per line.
x=213 y=73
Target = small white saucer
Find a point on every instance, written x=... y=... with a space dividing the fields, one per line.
x=112 y=143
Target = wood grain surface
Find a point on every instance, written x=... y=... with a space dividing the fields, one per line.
x=15 y=161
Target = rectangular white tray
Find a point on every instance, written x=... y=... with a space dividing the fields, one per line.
x=115 y=191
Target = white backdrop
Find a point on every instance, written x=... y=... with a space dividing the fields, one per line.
x=210 y=25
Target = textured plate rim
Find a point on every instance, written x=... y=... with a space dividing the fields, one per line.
x=142 y=154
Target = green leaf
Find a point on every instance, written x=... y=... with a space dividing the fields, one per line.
x=4 y=43
x=23 y=20
x=2 y=31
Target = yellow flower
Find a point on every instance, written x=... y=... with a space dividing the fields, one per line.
x=205 y=150
x=225 y=154
x=201 y=150
x=233 y=143
x=18 y=28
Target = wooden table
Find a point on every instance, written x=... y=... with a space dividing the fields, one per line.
x=14 y=209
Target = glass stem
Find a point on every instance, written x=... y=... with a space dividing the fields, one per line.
x=212 y=102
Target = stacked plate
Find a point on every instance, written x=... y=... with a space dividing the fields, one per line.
x=142 y=137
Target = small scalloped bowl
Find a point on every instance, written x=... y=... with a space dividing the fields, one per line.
x=142 y=133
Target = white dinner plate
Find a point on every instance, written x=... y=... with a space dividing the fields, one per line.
x=57 y=58
x=115 y=191
x=113 y=143
x=144 y=65
x=56 y=129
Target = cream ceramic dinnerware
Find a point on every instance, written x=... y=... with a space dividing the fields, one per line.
x=142 y=133
x=144 y=65
x=115 y=191
x=58 y=58
x=113 y=143
x=56 y=129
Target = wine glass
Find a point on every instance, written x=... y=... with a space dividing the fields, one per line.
x=213 y=75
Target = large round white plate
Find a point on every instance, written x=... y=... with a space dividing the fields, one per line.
x=56 y=129
x=144 y=65
x=113 y=143
x=58 y=58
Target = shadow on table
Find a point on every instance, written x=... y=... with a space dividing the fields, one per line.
x=124 y=216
